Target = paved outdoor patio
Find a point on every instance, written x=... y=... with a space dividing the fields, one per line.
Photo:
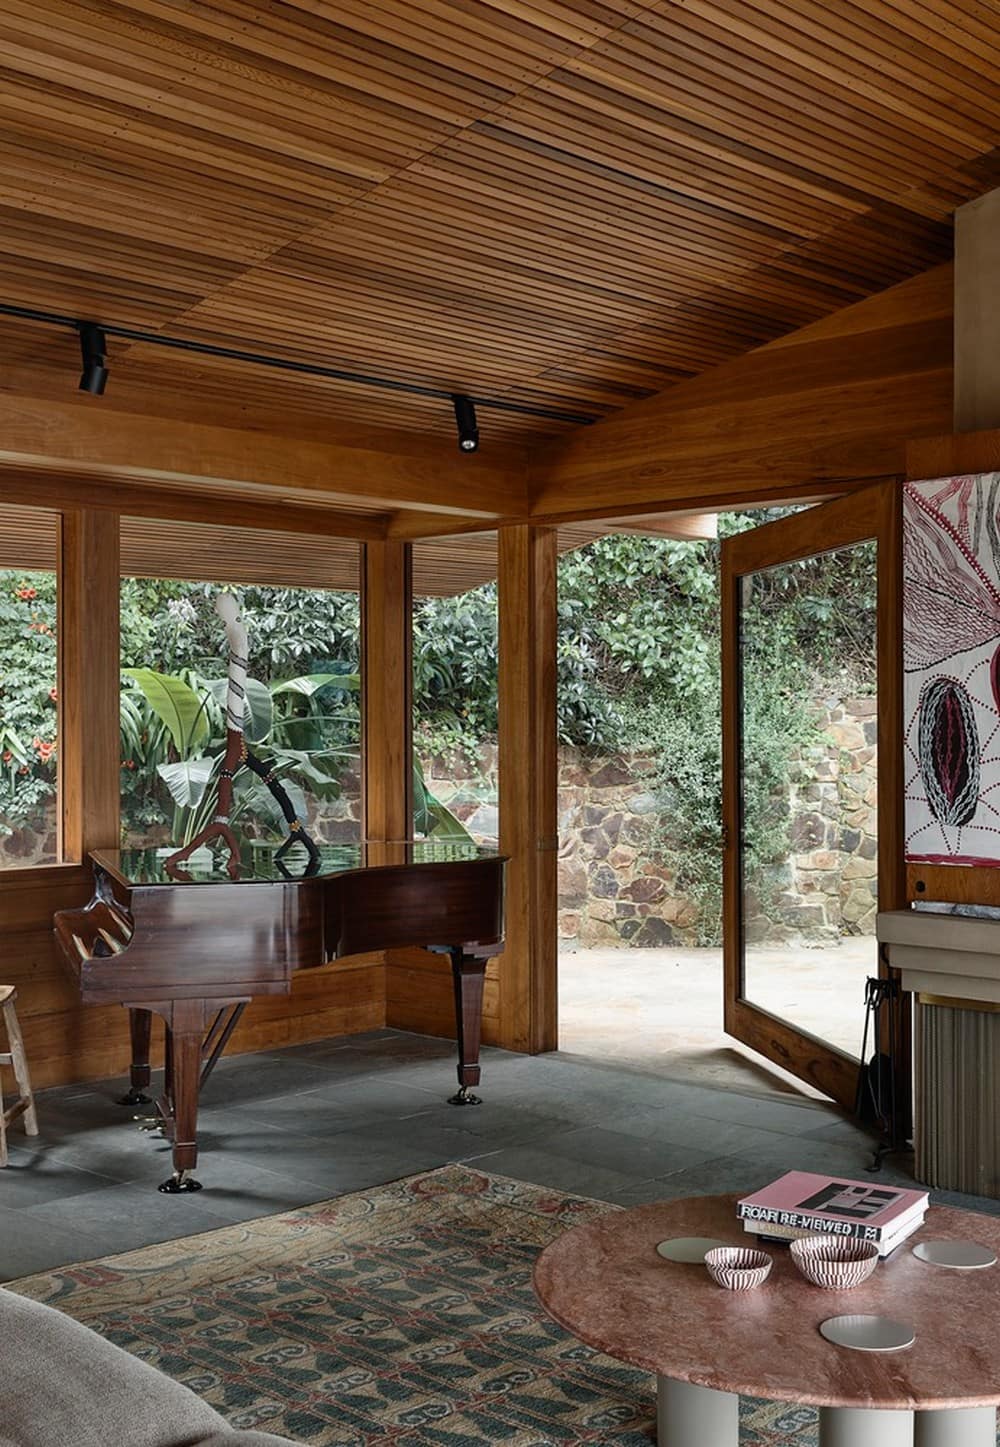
x=661 y=1009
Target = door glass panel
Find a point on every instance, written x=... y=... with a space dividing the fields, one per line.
x=808 y=781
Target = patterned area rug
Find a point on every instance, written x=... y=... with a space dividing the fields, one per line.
x=403 y=1314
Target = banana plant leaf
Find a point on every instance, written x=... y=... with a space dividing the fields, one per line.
x=254 y=797
x=311 y=683
x=187 y=780
x=176 y=703
x=431 y=818
x=258 y=708
x=320 y=770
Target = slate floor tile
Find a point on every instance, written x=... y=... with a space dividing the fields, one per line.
x=283 y=1129
x=33 y=1176
x=542 y=1168
x=610 y=1150
x=713 y=1137
x=125 y=1217
x=261 y=1077
x=348 y=1103
x=27 y=1245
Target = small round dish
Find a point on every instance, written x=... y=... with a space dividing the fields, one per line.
x=737 y=1268
x=688 y=1250
x=837 y=1263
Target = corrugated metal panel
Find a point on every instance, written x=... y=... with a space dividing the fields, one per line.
x=957 y=1100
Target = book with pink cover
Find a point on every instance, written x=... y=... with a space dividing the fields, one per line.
x=833 y=1205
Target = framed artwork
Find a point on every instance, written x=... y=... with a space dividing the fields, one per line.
x=951 y=663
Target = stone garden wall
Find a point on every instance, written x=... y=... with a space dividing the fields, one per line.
x=615 y=889
x=31 y=844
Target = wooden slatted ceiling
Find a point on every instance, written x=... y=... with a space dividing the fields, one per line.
x=154 y=548
x=29 y=538
x=566 y=204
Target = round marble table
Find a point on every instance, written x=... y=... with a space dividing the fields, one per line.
x=606 y=1284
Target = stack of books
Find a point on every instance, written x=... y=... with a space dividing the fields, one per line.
x=803 y=1204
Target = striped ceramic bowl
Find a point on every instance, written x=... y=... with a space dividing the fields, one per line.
x=737 y=1268
x=836 y=1262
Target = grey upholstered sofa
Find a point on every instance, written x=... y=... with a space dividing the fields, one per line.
x=62 y=1385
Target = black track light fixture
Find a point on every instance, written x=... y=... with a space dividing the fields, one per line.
x=465 y=417
x=93 y=350
x=93 y=343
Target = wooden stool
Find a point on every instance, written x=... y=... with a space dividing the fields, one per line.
x=25 y=1103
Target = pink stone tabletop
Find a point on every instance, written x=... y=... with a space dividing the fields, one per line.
x=606 y=1284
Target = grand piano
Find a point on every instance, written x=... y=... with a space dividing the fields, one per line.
x=194 y=946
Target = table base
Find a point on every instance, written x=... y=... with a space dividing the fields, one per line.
x=861 y=1427
x=689 y=1416
x=958 y=1427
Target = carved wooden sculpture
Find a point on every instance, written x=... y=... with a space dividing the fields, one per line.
x=237 y=754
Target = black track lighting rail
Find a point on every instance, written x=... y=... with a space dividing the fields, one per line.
x=287 y=364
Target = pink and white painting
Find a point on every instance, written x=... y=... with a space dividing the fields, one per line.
x=951 y=662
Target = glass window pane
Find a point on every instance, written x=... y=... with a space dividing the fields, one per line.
x=29 y=701
x=303 y=703
x=809 y=782
x=455 y=688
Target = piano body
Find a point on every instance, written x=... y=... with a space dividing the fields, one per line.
x=195 y=946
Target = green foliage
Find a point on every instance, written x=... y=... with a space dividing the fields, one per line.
x=188 y=748
x=303 y=704
x=176 y=704
x=455 y=670
x=28 y=699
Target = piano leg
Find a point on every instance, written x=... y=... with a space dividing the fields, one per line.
x=139 y=1024
x=468 y=973
x=187 y=1028
x=189 y=1057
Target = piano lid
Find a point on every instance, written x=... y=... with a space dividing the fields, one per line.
x=259 y=865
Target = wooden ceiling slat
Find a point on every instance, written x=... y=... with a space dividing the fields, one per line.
x=765 y=92
x=558 y=202
x=973 y=27
x=787 y=34
x=752 y=120
x=29 y=538
x=789 y=111
x=206 y=553
x=887 y=48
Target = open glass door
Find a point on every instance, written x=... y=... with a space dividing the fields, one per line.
x=812 y=778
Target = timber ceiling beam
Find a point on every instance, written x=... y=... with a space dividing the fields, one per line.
x=687 y=526
x=822 y=409
x=28 y=487
x=88 y=439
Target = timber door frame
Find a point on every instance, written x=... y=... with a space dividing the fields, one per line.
x=873 y=514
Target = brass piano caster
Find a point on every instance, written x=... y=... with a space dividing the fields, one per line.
x=179 y=1183
x=151 y=1124
x=464 y=1097
x=135 y=1097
